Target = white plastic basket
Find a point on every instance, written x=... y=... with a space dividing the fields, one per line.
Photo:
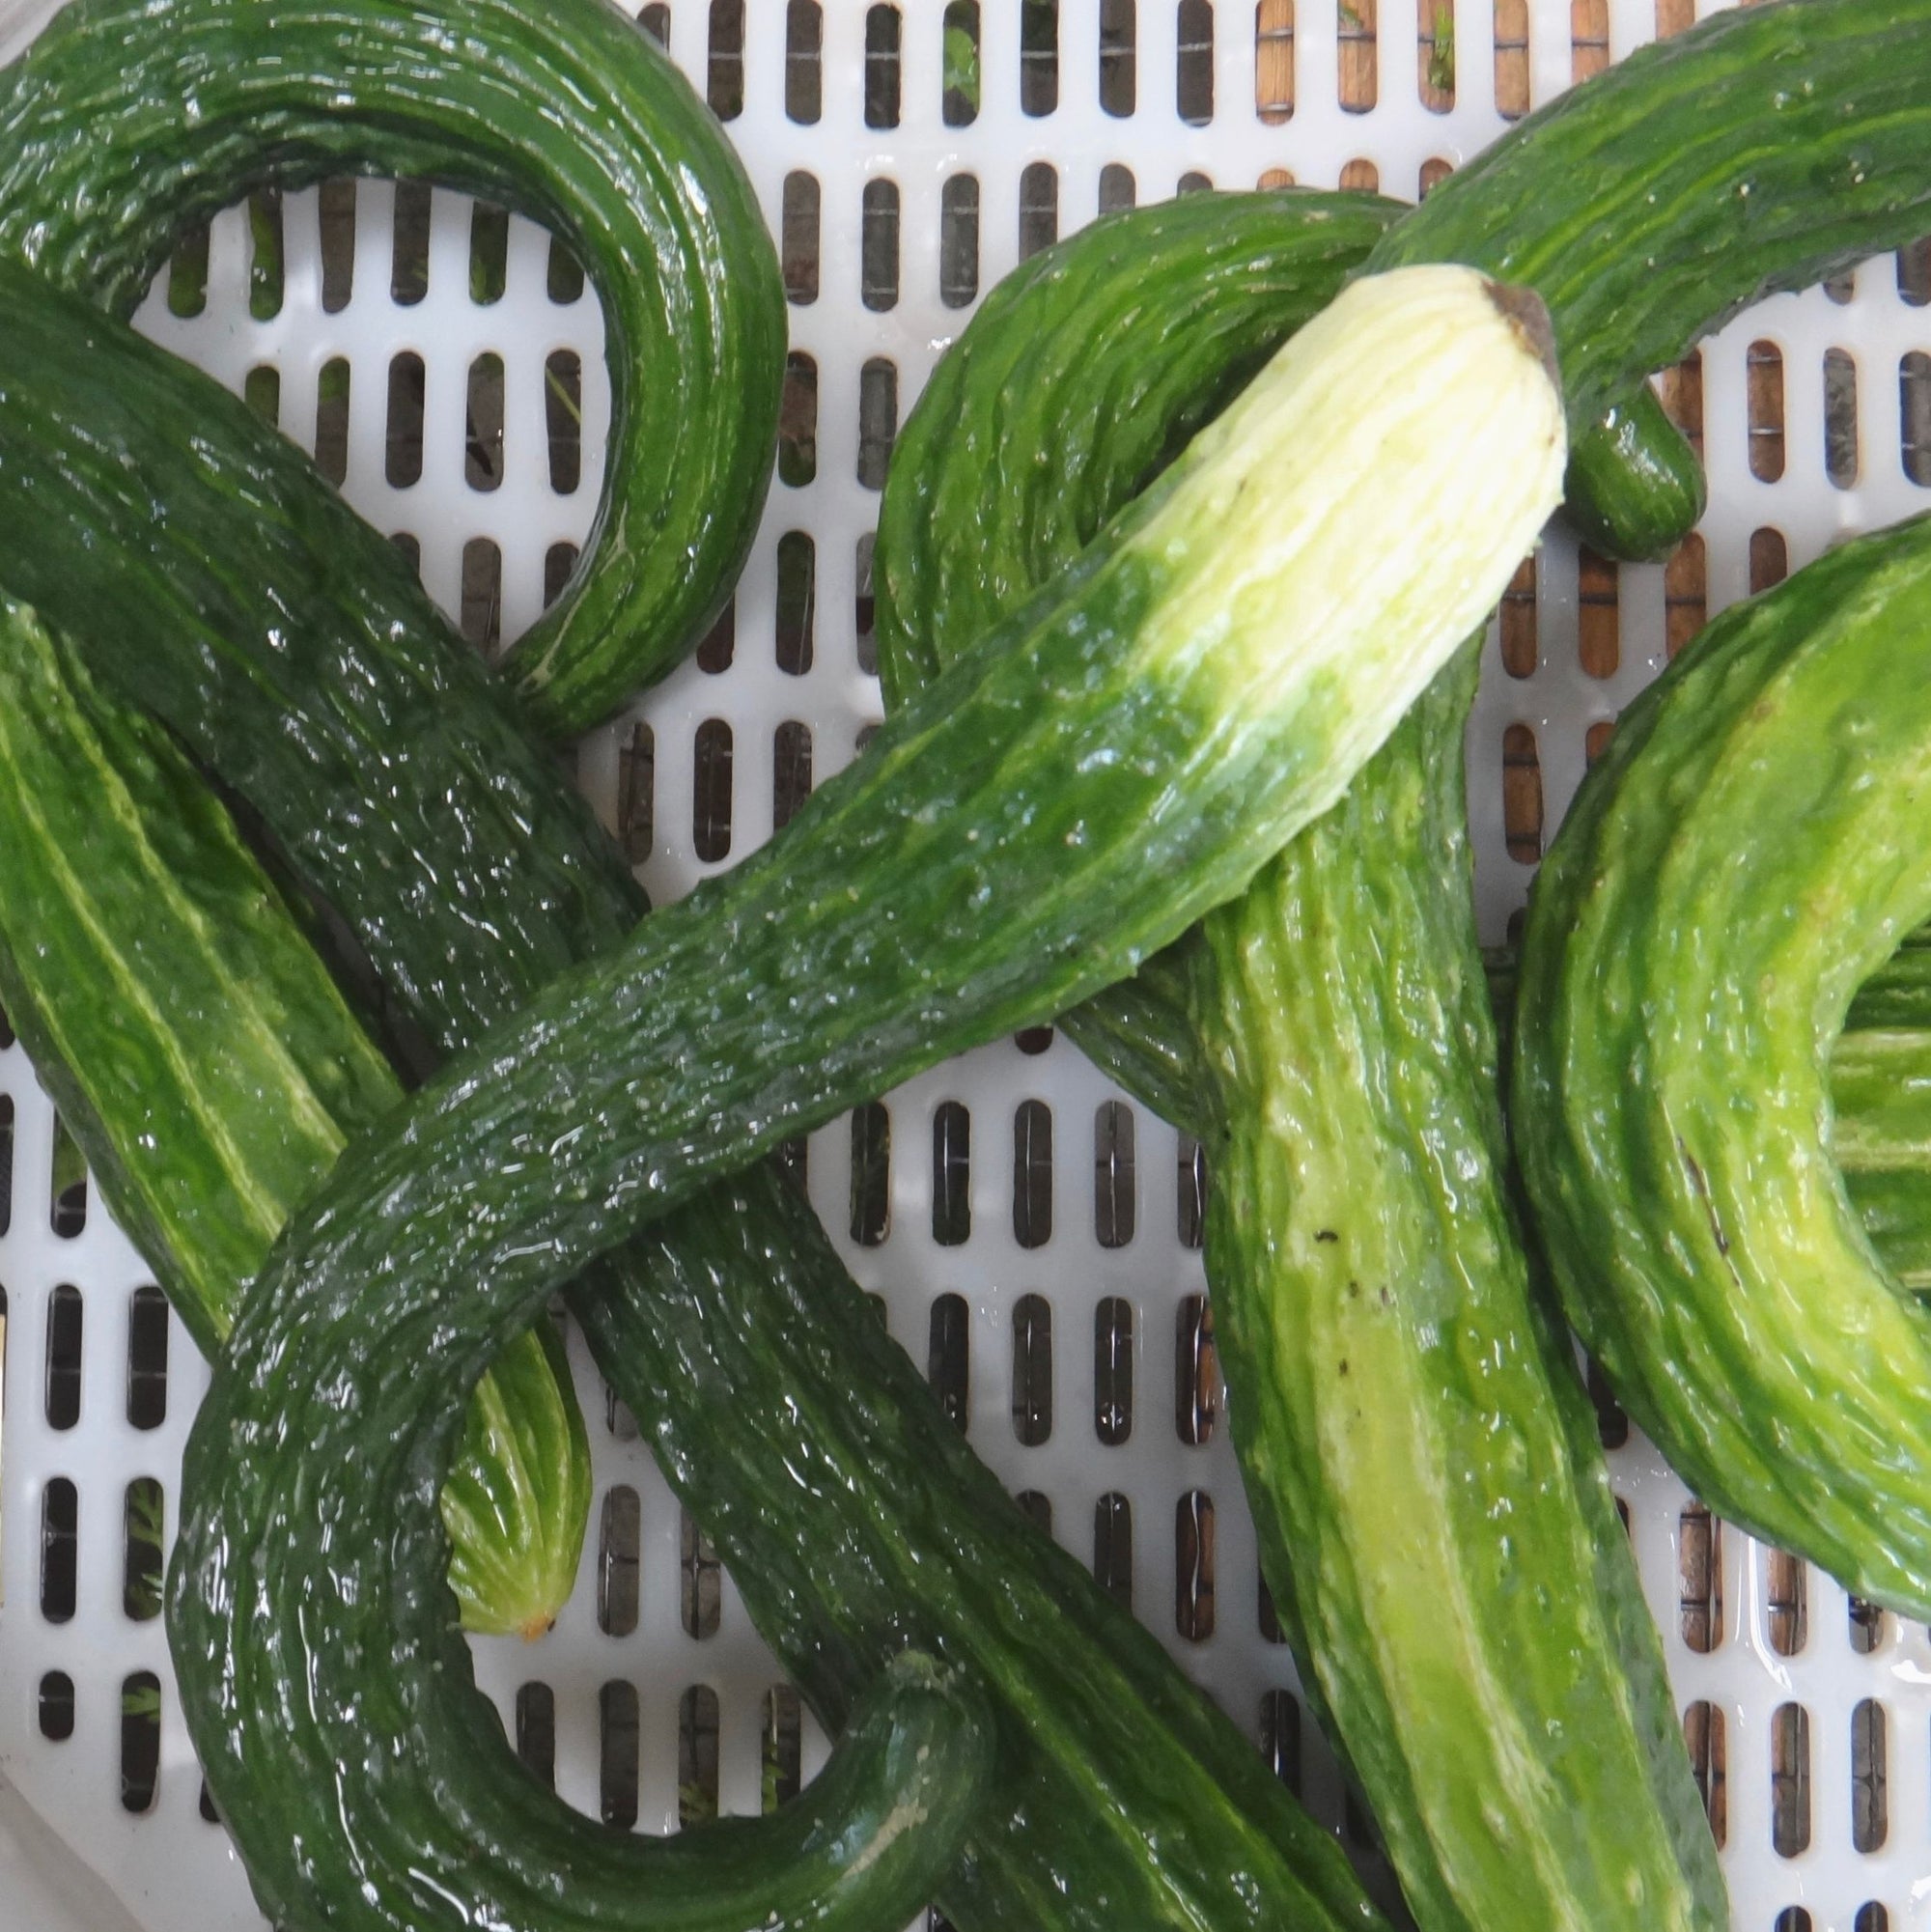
x=1078 y=1203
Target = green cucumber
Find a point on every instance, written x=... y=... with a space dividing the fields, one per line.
x=1880 y=1103
x=1202 y=685
x=204 y=1062
x=1746 y=853
x=1499 y=1696
x=1491 y=1670
x=129 y=121
x=339 y=744
x=1634 y=488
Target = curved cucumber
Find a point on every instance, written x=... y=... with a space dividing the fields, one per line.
x=129 y=121
x=1100 y=1823
x=204 y=1060
x=1746 y=853
x=1202 y=685
x=1500 y=1696
x=1093 y=1737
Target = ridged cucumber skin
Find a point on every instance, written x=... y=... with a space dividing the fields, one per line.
x=1679 y=993
x=1880 y=1103
x=124 y=886
x=1881 y=1110
x=1760 y=149
x=1201 y=685
x=801 y=1479
x=128 y=121
x=1490 y=1665
x=1634 y=488
x=1881 y=1139
x=160 y=987
x=1064 y=1859
x=1348 y=1098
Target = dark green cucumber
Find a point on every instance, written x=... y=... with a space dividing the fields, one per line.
x=1746 y=852
x=204 y=1062
x=540 y=882
x=1498 y=1692
x=1202 y=685
x=1094 y=1828
x=224 y=638
x=1634 y=488
x=127 y=121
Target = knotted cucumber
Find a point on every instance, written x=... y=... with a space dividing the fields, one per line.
x=1095 y=1722
x=1202 y=685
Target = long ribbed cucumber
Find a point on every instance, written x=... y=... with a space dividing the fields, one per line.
x=1047 y=811
x=1748 y=851
x=1498 y=1693
x=1488 y=1666
x=204 y=1060
x=1241 y=1852
x=129 y=121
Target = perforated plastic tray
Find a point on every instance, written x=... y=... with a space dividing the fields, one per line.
x=1035 y=1237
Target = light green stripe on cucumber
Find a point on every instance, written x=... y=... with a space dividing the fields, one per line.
x=207 y=1063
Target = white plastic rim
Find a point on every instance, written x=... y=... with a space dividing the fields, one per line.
x=1076 y=1199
